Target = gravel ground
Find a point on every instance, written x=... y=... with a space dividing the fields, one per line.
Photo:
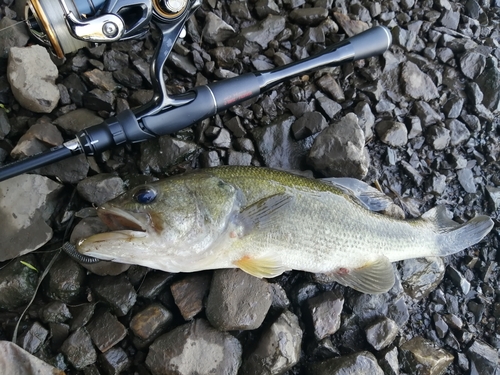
x=421 y=123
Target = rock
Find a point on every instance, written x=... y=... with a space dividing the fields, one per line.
x=192 y=348
x=308 y=16
x=339 y=150
x=278 y=349
x=351 y=27
x=79 y=350
x=325 y=310
x=357 y=363
x=236 y=127
x=39 y=137
x=105 y=330
x=189 y=293
x=216 y=30
x=33 y=339
x=420 y=276
x=328 y=106
x=264 y=31
x=151 y=322
x=392 y=133
x=115 y=60
x=55 y=312
x=472 y=64
x=25 y=216
x=225 y=57
x=458 y=132
x=69 y=171
x=174 y=151
x=450 y=19
x=489 y=83
x=99 y=100
x=483 y=358
x=18 y=283
x=128 y=78
x=153 y=284
x=237 y=300
x=494 y=196
x=458 y=279
x=329 y=84
x=4 y=123
x=223 y=140
x=366 y=119
x=419 y=356
x=17 y=361
x=32 y=75
x=14 y=34
x=182 y=63
x=310 y=123
x=381 y=333
x=114 y=361
x=65 y=280
x=277 y=147
x=116 y=291
x=388 y=361
x=417 y=84
x=100 y=188
x=77 y=120
x=466 y=179
x=438 y=137
x=426 y=113
x=266 y=7
x=453 y=107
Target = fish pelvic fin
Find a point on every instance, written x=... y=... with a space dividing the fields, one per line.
x=453 y=237
x=372 y=278
x=260 y=267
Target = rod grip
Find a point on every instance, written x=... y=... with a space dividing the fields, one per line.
x=372 y=42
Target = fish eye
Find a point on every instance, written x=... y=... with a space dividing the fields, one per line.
x=145 y=195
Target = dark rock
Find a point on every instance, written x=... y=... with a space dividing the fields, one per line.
x=494 y=197
x=189 y=293
x=116 y=291
x=240 y=9
x=237 y=300
x=381 y=333
x=223 y=139
x=4 y=124
x=150 y=322
x=154 y=284
x=458 y=279
x=114 y=361
x=100 y=188
x=339 y=150
x=225 y=57
x=68 y=170
x=475 y=94
x=450 y=19
x=105 y=330
x=37 y=139
x=195 y=347
x=310 y=123
x=417 y=84
x=421 y=276
x=440 y=325
x=33 y=339
x=65 y=280
x=216 y=30
x=182 y=63
x=472 y=64
x=266 y=7
x=77 y=120
x=466 y=179
x=115 y=60
x=264 y=31
x=79 y=350
x=128 y=78
x=308 y=16
x=101 y=80
x=210 y=159
x=325 y=310
x=357 y=363
x=278 y=349
x=483 y=358
x=392 y=133
x=420 y=356
x=489 y=83
x=81 y=315
x=453 y=107
x=55 y=312
x=98 y=100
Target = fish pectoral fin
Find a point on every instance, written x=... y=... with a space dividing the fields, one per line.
x=260 y=267
x=263 y=212
x=372 y=278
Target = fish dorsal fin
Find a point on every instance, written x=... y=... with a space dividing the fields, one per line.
x=263 y=212
x=366 y=195
x=372 y=278
x=439 y=217
x=260 y=267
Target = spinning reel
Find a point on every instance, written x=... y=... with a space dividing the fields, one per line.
x=68 y=25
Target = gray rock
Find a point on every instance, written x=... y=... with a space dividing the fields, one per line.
x=466 y=179
x=102 y=80
x=277 y=147
x=70 y=170
x=310 y=123
x=458 y=279
x=4 y=124
x=450 y=19
x=475 y=94
x=357 y=363
x=388 y=361
x=238 y=158
x=105 y=330
x=65 y=280
x=329 y=84
x=420 y=276
x=392 y=133
x=77 y=120
x=55 y=312
x=223 y=139
x=438 y=137
x=99 y=100
x=417 y=84
x=79 y=350
x=483 y=358
x=328 y=106
x=266 y=7
x=114 y=361
x=458 y=132
x=426 y=113
x=116 y=291
x=18 y=283
x=100 y=188
x=264 y=31
x=325 y=310
x=33 y=339
x=39 y=137
x=308 y=16
x=128 y=78
x=14 y=34
x=237 y=300
x=32 y=75
x=24 y=216
x=489 y=83
x=366 y=119
x=189 y=293
x=440 y=325
x=115 y=60
x=494 y=197
x=195 y=348
x=278 y=349
x=472 y=122
x=351 y=27
x=419 y=356
x=150 y=322
x=472 y=64
x=225 y=57
x=182 y=63
x=453 y=107
x=339 y=150
x=216 y=30
x=173 y=151
x=240 y=9
x=209 y=159
x=236 y=127
x=381 y=333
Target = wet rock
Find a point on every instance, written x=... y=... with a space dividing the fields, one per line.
x=339 y=150
x=13 y=34
x=33 y=339
x=420 y=356
x=32 y=74
x=381 y=333
x=78 y=349
x=236 y=127
x=489 y=83
x=81 y=315
x=116 y=291
x=105 y=330
x=114 y=361
x=325 y=310
x=24 y=216
x=237 y=300
x=310 y=123
x=458 y=132
x=472 y=64
x=18 y=283
x=278 y=349
x=189 y=293
x=55 y=312
x=357 y=363
x=100 y=188
x=98 y=100
x=466 y=179
x=393 y=133
x=277 y=147
x=264 y=31
x=154 y=284
x=65 y=280
x=417 y=84
x=150 y=322
x=77 y=120
x=194 y=347
x=483 y=358
x=216 y=30
x=421 y=276
x=438 y=137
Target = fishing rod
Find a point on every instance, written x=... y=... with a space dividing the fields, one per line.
x=66 y=29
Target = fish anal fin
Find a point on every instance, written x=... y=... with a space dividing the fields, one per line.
x=267 y=267
x=372 y=278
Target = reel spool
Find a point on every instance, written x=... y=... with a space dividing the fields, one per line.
x=68 y=25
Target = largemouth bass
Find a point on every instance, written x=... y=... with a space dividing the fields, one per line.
x=266 y=222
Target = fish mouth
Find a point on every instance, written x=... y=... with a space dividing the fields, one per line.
x=117 y=219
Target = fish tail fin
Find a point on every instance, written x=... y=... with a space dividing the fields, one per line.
x=454 y=237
